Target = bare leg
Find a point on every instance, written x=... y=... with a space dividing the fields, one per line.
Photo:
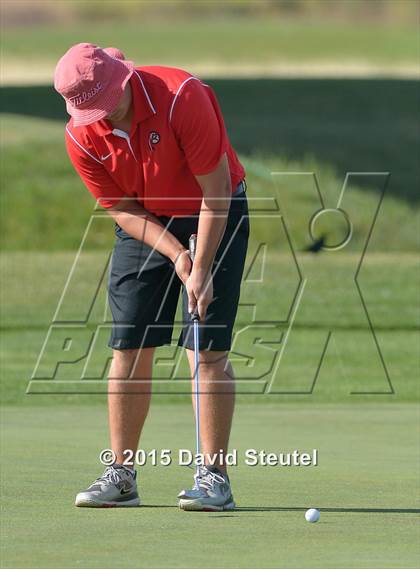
x=217 y=401
x=129 y=393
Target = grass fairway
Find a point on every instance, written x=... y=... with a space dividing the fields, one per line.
x=217 y=40
x=365 y=486
x=329 y=304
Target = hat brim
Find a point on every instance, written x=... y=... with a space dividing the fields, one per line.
x=109 y=99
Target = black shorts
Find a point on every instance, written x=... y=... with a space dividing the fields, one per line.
x=144 y=287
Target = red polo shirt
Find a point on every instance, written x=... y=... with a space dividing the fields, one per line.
x=177 y=133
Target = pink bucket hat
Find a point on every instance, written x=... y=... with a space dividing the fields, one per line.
x=91 y=82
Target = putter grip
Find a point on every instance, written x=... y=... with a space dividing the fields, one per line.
x=192 y=243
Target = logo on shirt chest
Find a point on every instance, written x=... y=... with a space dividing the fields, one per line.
x=154 y=138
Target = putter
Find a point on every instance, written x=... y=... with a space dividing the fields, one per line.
x=195 y=318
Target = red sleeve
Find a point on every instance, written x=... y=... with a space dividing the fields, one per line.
x=199 y=127
x=93 y=174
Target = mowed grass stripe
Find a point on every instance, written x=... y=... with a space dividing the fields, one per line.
x=229 y=40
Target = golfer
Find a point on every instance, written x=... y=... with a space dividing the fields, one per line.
x=150 y=144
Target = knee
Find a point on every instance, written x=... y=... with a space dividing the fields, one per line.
x=214 y=362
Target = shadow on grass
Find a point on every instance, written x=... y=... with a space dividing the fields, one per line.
x=357 y=125
x=331 y=510
x=303 y=509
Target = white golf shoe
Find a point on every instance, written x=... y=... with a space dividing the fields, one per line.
x=211 y=492
x=116 y=487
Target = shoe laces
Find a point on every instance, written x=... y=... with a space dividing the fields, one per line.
x=206 y=479
x=111 y=474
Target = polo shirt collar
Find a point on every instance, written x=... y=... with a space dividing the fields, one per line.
x=143 y=107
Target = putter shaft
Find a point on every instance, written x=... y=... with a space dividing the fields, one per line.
x=195 y=318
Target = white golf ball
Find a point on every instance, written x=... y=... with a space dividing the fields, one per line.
x=312 y=515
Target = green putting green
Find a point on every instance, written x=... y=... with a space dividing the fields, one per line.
x=365 y=486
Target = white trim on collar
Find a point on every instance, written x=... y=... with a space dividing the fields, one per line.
x=177 y=93
x=145 y=92
x=82 y=147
